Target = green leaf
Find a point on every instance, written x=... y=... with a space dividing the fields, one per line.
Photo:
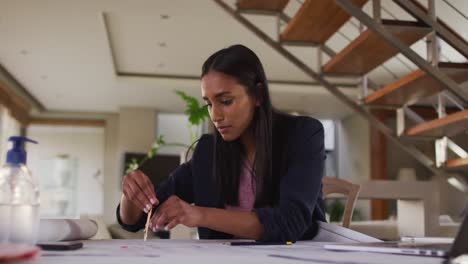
x=134 y=164
x=195 y=112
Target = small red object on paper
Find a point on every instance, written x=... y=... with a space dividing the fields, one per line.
x=10 y=252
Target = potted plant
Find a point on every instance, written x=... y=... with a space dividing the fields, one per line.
x=196 y=115
x=195 y=112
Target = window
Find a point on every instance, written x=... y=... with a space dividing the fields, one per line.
x=174 y=128
x=69 y=162
x=330 y=152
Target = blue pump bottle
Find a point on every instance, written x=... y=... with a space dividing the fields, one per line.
x=19 y=197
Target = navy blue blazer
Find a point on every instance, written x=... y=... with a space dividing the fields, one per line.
x=298 y=163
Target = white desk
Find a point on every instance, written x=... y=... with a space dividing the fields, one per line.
x=204 y=251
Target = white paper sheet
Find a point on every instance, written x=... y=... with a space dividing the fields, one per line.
x=66 y=229
x=334 y=233
x=203 y=251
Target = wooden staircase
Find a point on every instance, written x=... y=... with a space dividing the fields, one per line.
x=415 y=86
x=368 y=51
x=309 y=25
x=316 y=21
x=457 y=164
x=261 y=5
x=451 y=41
x=450 y=125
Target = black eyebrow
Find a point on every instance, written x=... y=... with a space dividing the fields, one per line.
x=217 y=96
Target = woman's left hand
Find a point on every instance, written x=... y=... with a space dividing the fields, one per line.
x=176 y=211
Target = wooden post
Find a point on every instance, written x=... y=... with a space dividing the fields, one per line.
x=378 y=165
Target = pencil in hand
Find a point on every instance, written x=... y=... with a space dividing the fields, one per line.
x=147 y=225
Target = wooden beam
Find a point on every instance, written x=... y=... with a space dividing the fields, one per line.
x=378 y=165
x=426 y=112
x=18 y=107
x=263 y=5
x=67 y=122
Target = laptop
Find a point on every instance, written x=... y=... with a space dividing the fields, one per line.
x=446 y=250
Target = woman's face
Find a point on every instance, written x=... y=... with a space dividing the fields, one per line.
x=230 y=107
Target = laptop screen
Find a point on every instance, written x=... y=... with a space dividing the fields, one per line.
x=460 y=245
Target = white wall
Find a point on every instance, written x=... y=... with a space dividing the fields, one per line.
x=136 y=129
x=8 y=127
x=452 y=201
x=112 y=169
x=86 y=145
x=131 y=130
x=354 y=154
x=174 y=128
x=329 y=130
x=353 y=148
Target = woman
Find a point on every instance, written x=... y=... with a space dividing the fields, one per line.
x=258 y=177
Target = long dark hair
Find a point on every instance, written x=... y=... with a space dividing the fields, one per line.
x=242 y=64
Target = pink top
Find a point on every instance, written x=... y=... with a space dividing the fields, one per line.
x=246 y=190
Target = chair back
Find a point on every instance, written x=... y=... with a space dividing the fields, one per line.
x=331 y=185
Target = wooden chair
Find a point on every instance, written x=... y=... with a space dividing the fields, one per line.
x=333 y=185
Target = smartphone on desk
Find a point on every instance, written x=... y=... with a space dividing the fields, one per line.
x=60 y=245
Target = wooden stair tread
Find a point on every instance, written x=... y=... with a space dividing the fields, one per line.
x=460 y=163
x=262 y=5
x=316 y=21
x=415 y=86
x=449 y=125
x=369 y=50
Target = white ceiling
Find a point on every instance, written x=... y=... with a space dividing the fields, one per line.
x=60 y=52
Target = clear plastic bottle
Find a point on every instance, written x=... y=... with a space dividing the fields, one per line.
x=23 y=208
x=5 y=206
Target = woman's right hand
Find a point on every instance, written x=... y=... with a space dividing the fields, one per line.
x=139 y=190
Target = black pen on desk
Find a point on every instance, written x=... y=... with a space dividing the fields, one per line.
x=254 y=243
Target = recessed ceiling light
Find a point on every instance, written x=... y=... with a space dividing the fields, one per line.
x=164 y=16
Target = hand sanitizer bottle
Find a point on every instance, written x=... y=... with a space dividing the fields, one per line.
x=5 y=206
x=23 y=209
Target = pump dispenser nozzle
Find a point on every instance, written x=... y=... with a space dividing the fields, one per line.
x=17 y=154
